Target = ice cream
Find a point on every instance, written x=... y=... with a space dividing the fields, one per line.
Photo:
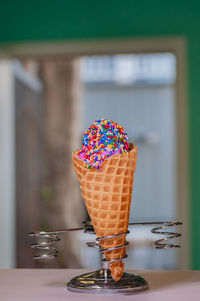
x=104 y=138
x=105 y=167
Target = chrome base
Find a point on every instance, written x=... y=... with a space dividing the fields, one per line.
x=101 y=282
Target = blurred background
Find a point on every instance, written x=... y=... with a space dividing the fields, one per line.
x=61 y=68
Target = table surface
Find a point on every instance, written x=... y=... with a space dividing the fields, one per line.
x=49 y=284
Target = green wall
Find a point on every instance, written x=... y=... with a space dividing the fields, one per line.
x=83 y=19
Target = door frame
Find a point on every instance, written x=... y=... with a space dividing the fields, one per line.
x=176 y=45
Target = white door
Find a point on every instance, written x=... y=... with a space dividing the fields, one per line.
x=147 y=112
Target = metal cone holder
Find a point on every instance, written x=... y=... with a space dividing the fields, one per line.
x=101 y=281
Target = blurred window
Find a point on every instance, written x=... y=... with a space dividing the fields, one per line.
x=129 y=69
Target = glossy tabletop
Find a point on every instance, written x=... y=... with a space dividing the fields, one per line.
x=50 y=284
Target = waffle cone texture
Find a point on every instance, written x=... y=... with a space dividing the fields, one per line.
x=107 y=193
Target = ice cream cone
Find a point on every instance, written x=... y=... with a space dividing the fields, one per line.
x=107 y=193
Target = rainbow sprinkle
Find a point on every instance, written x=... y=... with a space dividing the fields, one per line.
x=101 y=140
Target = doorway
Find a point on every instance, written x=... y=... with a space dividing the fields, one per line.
x=147 y=133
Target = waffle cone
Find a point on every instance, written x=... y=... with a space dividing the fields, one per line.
x=107 y=193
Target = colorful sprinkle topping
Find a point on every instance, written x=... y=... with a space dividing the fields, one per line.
x=101 y=140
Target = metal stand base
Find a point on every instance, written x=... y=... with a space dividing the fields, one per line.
x=101 y=282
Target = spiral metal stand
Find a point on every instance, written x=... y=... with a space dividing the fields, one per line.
x=101 y=281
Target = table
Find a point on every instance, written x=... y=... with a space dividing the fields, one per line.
x=49 y=284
